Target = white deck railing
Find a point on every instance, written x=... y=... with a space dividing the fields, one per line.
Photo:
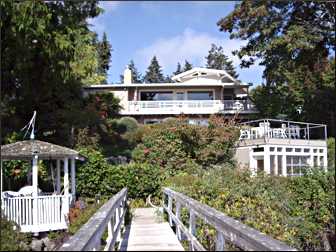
x=188 y=107
x=36 y=214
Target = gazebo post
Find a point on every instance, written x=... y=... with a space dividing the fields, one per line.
x=73 y=179
x=58 y=176
x=35 y=189
x=66 y=187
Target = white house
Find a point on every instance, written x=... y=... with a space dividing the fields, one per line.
x=197 y=93
x=283 y=148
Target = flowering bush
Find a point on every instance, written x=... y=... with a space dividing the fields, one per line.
x=176 y=145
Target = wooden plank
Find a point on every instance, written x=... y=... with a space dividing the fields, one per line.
x=148 y=232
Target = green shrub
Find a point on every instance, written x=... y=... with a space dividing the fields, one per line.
x=129 y=122
x=94 y=176
x=11 y=239
x=298 y=211
x=331 y=152
x=178 y=146
x=141 y=180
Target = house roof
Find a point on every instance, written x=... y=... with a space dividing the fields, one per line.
x=25 y=150
x=185 y=76
x=175 y=84
x=199 y=71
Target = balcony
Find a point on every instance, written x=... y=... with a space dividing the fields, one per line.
x=188 y=107
x=282 y=132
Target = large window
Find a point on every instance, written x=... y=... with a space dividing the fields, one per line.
x=200 y=95
x=296 y=165
x=157 y=96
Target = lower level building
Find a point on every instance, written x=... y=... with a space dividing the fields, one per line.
x=285 y=150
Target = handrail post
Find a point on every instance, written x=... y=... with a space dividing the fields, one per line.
x=192 y=227
x=178 y=216
x=220 y=241
x=170 y=208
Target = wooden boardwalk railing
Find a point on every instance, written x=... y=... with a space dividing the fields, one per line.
x=111 y=216
x=227 y=228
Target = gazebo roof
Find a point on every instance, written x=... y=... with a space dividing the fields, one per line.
x=26 y=150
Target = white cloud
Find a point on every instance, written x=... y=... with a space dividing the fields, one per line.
x=189 y=45
x=98 y=24
x=109 y=6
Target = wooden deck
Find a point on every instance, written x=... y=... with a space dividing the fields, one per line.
x=148 y=232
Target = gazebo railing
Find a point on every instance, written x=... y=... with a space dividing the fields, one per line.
x=36 y=214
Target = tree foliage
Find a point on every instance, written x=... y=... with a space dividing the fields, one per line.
x=187 y=66
x=178 y=69
x=293 y=40
x=47 y=55
x=154 y=72
x=216 y=59
x=104 y=57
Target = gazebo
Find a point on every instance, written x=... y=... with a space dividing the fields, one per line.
x=31 y=209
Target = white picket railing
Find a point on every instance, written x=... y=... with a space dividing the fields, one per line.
x=36 y=214
x=188 y=106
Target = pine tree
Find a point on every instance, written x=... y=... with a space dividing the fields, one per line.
x=178 y=69
x=216 y=59
x=154 y=72
x=136 y=76
x=104 y=57
x=187 y=66
x=168 y=79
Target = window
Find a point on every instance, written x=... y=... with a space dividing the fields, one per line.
x=289 y=149
x=179 y=96
x=260 y=149
x=271 y=148
x=157 y=96
x=297 y=149
x=321 y=150
x=279 y=165
x=201 y=122
x=306 y=150
x=296 y=164
x=152 y=121
x=315 y=150
x=279 y=149
x=315 y=161
x=200 y=95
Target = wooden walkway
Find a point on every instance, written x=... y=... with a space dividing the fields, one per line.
x=148 y=232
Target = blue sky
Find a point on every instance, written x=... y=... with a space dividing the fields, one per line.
x=172 y=30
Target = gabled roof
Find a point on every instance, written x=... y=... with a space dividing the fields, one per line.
x=25 y=150
x=199 y=71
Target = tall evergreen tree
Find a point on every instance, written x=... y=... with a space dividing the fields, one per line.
x=154 y=72
x=216 y=59
x=168 y=79
x=178 y=69
x=46 y=73
x=293 y=41
x=104 y=57
x=136 y=76
x=187 y=66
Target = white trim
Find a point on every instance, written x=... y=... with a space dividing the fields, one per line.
x=170 y=85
